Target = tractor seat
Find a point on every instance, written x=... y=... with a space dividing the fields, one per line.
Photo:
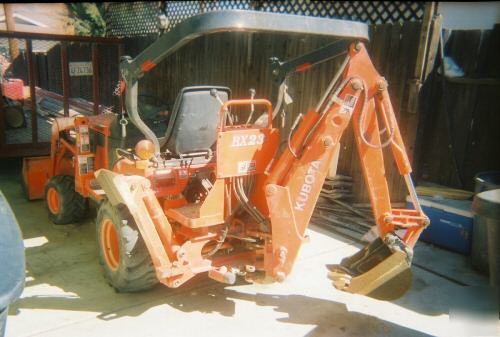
x=194 y=120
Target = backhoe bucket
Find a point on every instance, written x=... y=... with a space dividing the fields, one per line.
x=380 y=270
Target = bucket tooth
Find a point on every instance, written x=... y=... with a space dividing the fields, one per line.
x=380 y=270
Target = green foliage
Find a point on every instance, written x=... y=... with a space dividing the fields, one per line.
x=88 y=18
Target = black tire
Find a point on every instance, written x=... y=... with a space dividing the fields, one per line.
x=134 y=271
x=72 y=205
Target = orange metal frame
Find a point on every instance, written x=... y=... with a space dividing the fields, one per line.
x=244 y=149
x=68 y=156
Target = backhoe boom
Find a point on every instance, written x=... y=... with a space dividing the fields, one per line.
x=295 y=182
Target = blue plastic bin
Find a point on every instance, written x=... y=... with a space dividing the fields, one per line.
x=451 y=223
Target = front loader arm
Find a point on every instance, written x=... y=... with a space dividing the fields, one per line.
x=296 y=180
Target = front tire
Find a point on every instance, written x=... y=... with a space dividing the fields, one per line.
x=122 y=252
x=64 y=204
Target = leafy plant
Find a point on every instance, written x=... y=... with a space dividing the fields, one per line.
x=88 y=18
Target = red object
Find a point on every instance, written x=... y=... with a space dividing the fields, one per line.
x=147 y=66
x=13 y=89
x=36 y=172
x=303 y=67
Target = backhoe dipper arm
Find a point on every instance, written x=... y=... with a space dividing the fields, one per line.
x=296 y=179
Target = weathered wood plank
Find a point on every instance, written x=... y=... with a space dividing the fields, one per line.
x=475 y=115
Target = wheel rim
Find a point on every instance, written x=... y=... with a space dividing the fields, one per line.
x=53 y=201
x=110 y=244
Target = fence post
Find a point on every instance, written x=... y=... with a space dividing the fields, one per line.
x=65 y=77
x=95 y=77
x=121 y=52
x=31 y=76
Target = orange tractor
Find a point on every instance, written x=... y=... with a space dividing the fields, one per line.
x=220 y=196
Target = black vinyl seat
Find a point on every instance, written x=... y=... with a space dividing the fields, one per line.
x=194 y=120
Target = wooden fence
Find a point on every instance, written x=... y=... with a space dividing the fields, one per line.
x=241 y=61
x=472 y=110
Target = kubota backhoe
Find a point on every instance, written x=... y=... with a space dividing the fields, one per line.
x=220 y=196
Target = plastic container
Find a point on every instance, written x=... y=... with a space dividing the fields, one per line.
x=486 y=207
x=451 y=223
x=484 y=181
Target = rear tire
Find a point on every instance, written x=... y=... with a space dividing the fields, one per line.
x=122 y=252
x=64 y=204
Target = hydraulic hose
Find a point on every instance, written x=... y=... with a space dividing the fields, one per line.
x=220 y=242
x=361 y=122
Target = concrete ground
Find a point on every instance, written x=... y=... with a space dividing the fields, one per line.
x=67 y=295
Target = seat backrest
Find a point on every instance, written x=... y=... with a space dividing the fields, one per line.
x=194 y=120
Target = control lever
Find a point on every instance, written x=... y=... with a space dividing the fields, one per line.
x=213 y=92
x=123 y=122
x=252 y=106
